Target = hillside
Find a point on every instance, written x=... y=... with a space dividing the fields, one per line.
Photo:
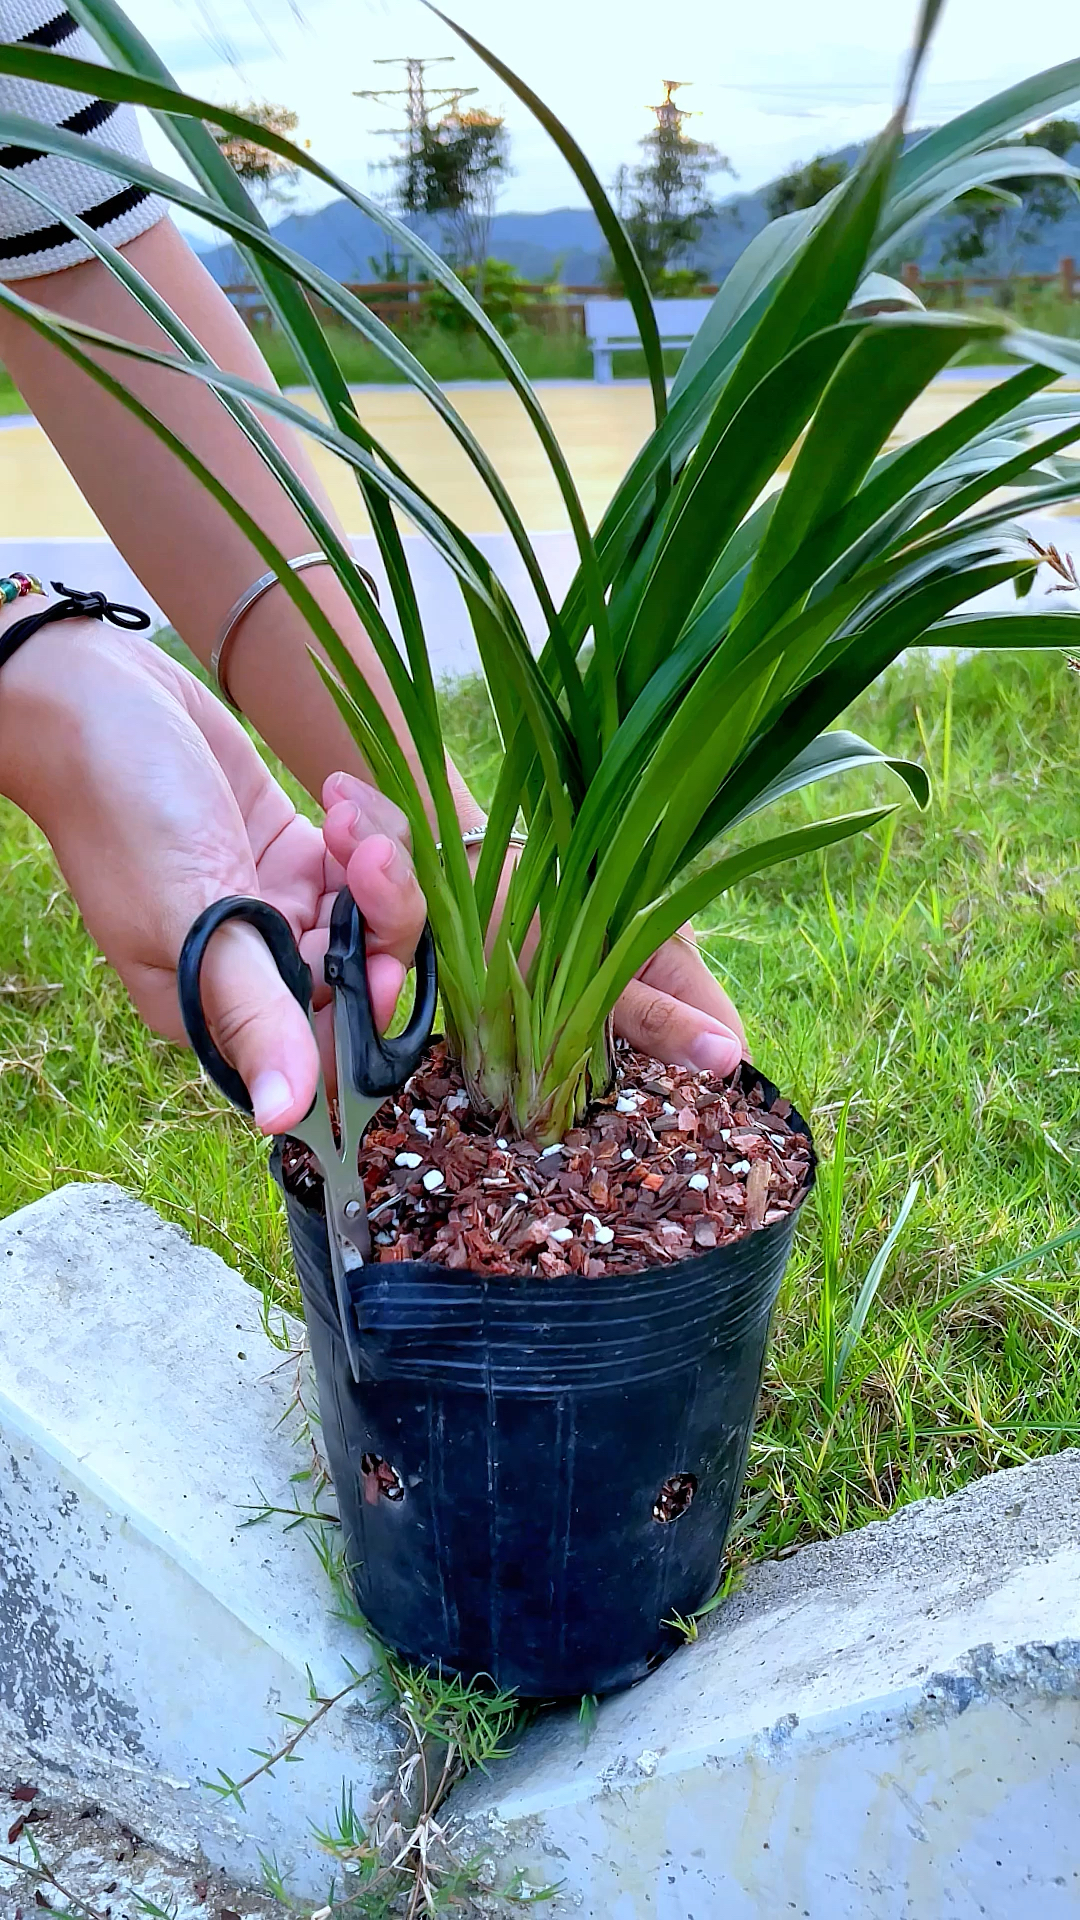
x=566 y=243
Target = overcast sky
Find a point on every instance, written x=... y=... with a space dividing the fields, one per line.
x=773 y=82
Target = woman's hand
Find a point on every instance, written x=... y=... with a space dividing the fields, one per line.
x=156 y=803
x=675 y=1010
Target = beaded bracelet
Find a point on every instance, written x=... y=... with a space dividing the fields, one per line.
x=14 y=585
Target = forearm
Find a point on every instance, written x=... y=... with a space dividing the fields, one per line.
x=187 y=551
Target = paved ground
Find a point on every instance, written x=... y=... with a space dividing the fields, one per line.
x=600 y=429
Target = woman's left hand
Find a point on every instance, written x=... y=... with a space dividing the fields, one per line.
x=676 y=1010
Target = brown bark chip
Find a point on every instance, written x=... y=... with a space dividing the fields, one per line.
x=670 y=1164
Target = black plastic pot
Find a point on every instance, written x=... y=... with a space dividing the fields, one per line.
x=535 y=1475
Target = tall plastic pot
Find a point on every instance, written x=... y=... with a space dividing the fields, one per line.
x=534 y=1475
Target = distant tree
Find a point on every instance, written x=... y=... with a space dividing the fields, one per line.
x=454 y=173
x=665 y=201
x=408 y=169
x=498 y=289
x=266 y=175
x=450 y=161
x=984 y=232
x=804 y=186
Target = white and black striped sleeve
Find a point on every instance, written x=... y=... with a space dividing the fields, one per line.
x=31 y=240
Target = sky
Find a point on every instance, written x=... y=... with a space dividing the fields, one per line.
x=771 y=84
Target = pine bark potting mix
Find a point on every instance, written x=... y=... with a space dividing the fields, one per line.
x=670 y=1164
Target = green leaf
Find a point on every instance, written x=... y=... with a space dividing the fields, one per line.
x=883 y=372
x=879 y=292
x=656 y=923
x=1055 y=627
x=719 y=486
x=914 y=194
x=856 y=664
x=909 y=212
x=829 y=754
x=60 y=71
x=992 y=120
x=126 y=49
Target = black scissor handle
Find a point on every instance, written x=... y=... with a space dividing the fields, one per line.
x=378 y=1065
x=278 y=935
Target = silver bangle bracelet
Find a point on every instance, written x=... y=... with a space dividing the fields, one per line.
x=475 y=836
x=219 y=658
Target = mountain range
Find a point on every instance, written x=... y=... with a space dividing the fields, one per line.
x=566 y=243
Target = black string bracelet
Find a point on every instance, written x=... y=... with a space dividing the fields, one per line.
x=74 y=606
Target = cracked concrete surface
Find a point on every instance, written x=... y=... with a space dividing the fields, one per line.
x=883 y=1727
x=102 y=1865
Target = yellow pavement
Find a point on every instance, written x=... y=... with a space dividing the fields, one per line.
x=600 y=429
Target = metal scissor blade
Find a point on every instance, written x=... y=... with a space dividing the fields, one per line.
x=345 y=1210
x=347 y=1220
x=345 y=1260
x=356 y=1109
x=315 y=1132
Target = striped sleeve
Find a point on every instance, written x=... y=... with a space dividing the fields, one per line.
x=32 y=241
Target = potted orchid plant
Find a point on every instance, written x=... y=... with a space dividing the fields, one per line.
x=566 y=1327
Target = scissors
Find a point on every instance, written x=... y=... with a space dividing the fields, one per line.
x=369 y=1067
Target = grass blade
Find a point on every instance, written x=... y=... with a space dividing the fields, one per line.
x=874 y=1276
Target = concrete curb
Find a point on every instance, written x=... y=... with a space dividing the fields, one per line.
x=884 y=1727
x=147 y=1637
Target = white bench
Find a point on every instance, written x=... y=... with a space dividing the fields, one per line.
x=610 y=327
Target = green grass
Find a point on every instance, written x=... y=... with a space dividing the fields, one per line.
x=928 y=978
x=565 y=356
x=449 y=356
x=446 y=356
x=11 y=400
x=543 y=356
x=1044 y=308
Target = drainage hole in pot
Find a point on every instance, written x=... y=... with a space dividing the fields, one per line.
x=381 y=1480
x=674 y=1497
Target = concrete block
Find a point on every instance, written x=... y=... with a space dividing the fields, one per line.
x=147 y=1637
x=883 y=1727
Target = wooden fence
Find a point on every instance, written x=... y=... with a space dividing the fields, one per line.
x=561 y=310
x=956 y=286
x=402 y=304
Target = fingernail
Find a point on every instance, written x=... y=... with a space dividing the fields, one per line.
x=271 y=1096
x=392 y=863
x=717 y=1053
